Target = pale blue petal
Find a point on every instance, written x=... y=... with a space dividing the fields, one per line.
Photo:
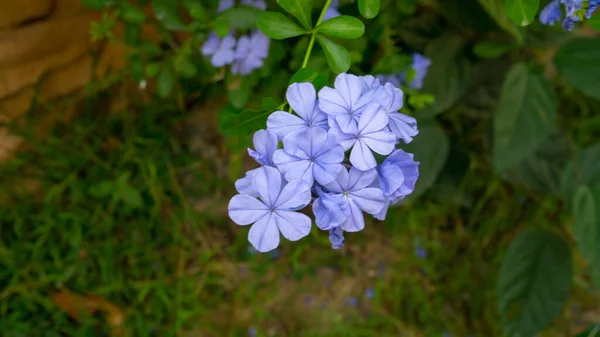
x=330 y=211
x=350 y=88
x=330 y=152
x=282 y=124
x=293 y=167
x=225 y=5
x=347 y=124
x=410 y=172
x=266 y=181
x=302 y=98
x=340 y=184
x=294 y=196
x=383 y=213
x=369 y=82
x=382 y=142
x=370 y=200
x=260 y=4
x=396 y=98
x=293 y=225
x=551 y=13
x=318 y=118
x=331 y=102
x=361 y=156
x=357 y=179
x=402 y=126
x=244 y=185
x=244 y=209
x=391 y=178
x=264 y=234
x=265 y=143
x=336 y=237
x=373 y=96
x=326 y=173
x=420 y=65
x=373 y=119
x=210 y=46
x=356 y=219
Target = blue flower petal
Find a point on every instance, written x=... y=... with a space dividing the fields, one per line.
x=244 y=209
x=264 y=234
x=293 y=225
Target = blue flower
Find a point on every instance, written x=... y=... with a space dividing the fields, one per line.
x=221 y=50
x=347 y=100
x=571 y=7
x=260 y=4
x=370 y=293
x=330 y=210
x=421 y=252
x=551 y=13
x=332 y=11
x=225 y=5
x=420 y=65
x=274 y=212
x=311 y=155
x=394 y=80
x=592 y=6
x=302 y=97
x=398 y=175
x=336 y=237
x=250 y=53
x=370 y=134
x=354 y=188
x=265 y=144
x=252 y=332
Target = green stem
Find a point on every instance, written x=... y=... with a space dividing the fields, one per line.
x=313 y=36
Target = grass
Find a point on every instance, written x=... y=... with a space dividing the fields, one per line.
x=113 y=223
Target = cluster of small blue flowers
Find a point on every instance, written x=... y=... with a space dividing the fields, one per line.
x=244 y=54
x=327 y=158
x=420 y=66
x=575 y=11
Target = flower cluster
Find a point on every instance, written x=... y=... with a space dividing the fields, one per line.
x=420 y=66
x=575 y=11
x=244 y=54
x=339 y=151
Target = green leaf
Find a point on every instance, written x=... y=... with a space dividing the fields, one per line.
x=165 y=81
x=594 y=22
x=277 y=26
x=98 y=4
x=586 y=227
x=491 y=49
x=309 y=75
x=132 y=14
x=592 y=331
x=521 y=12
x=582 y=170
x=534 y=283
x=133 y=34
x=246 y=122
x=577 y=62
x=241 y=17
x=524 y=116
x=167 y=12
x=448 y=76
x=496 y=10
x=430 y=147
x=343 y=26
x=369 y=8
x=152 y=69
x=239 y=89
x=392 y=64
x=269 y=104
x=300 y=9
x=197 y=11
x=337 y=56
x=131 y=197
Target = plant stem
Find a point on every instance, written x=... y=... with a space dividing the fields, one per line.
x=313 y=36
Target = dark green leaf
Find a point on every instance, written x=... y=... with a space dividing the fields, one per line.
x=102 y=189
x=582 y=170
x=491 y=49
x=496 y=10
x=534 y=283
x=369 y=8
x=196 y=9
x=592 y=331
x=309 y=75
x=165 y=81
x=594 y=22
x=246 y=122
x=152 y=69
x=239 y=89
x=337 y=56
x=132 y=14
x=132 y=197
x=98 y=4
x=133 y=34
x=343 y=26
x=521 y=12
x=269 y=104
x=278 y=26
x=241 y=17
x=185 y=67
x=577 y=62
x=392 y=64
x=167 y=12
x=524 y=116
x=430 y=147
x=586 y=227
x=136 y=66
x=468 y=14
x=300 y=9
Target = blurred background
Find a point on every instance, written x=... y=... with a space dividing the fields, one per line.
x=116 y=167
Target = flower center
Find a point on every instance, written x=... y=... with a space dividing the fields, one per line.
x=272 y=210
x=346 y=193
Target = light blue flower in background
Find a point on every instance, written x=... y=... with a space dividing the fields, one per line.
x=369 y=135
x=265 y=144
x=420 y=65
x=592 y=6
x=551 y=14
x=395 y=80
x=250 y=53
x=225 y=5
x=221 y=51
x=347 y=100
x=260 y=4
x=302 y=97
x=354 y=188
x=571 y=7
x=330 y=210
x=311 y=155
x=274 y=211
x=336 y=237
x=332 y=11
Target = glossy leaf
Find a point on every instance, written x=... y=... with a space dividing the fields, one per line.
x=496 y=10
x=369 y=8
x=577 y=62
x=337 y=56
x=534 y=282
x=278 y=26
x=491 y=49
x=309 y=75
x=343 y=26
x=586 y=227
x=300 y=9
x=521 y=12
x=524 y=116
x=246 y=122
